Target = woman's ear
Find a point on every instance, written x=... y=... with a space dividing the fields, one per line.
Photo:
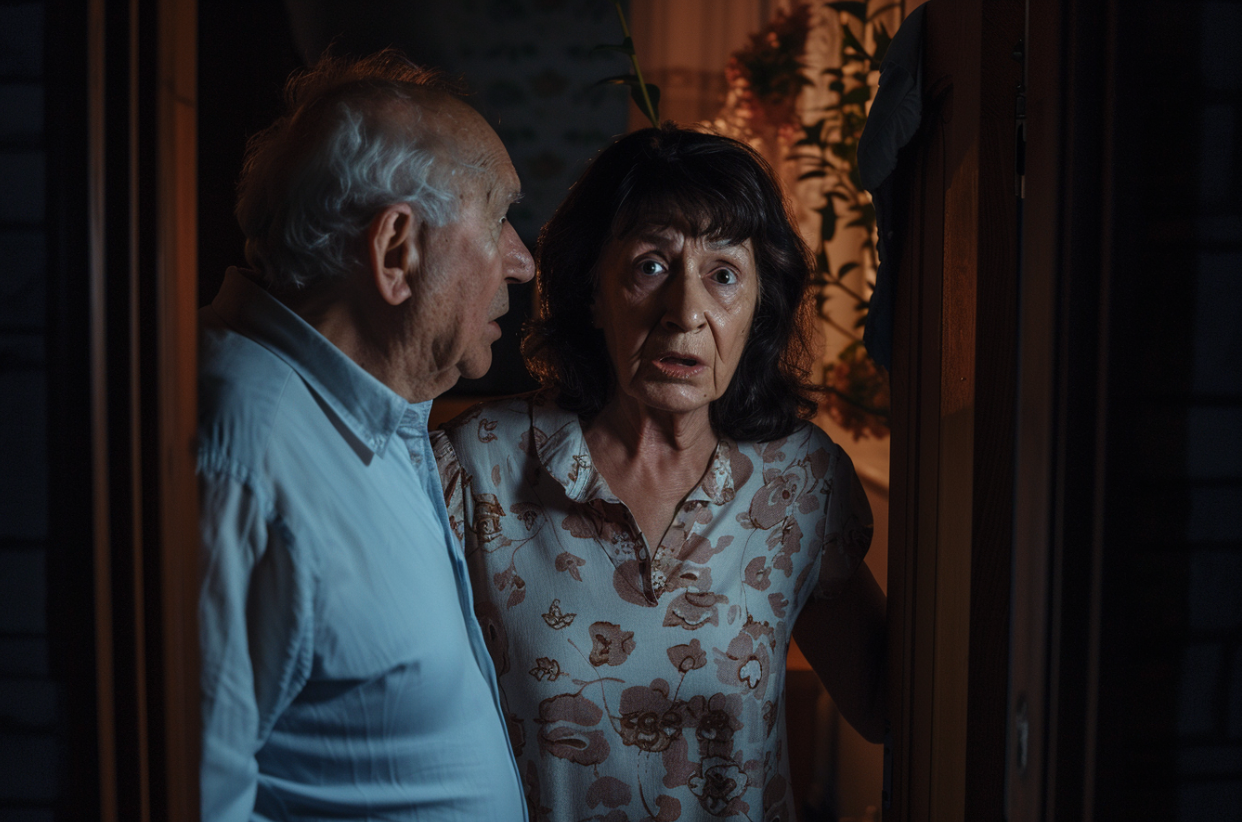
x=392 y=251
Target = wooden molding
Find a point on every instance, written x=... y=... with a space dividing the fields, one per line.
x=951 y=477
x=141 y=81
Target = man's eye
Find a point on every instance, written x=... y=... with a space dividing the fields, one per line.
x=652 y=268
x=725 y=276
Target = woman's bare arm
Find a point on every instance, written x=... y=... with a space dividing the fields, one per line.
x=844 y=640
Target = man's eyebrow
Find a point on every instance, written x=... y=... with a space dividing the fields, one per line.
x=508 y=196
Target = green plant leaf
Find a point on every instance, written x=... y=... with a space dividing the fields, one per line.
x=635 y=91
x=847 y=36
x=645 y=95
x=877 y=12
x=882 y=41
x=626 y=48
x=827 y=223
x=857 y=97
x=811 y=135
x=653 y=91
x=618 y=80
x=854 y=9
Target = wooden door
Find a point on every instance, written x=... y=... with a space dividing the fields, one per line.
x=953 y=378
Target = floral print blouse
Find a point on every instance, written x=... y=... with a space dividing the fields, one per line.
x=639 y=681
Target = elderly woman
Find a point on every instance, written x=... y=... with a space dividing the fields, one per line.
x=646 y=531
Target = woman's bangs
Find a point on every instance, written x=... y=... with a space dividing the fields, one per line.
x=721 y=211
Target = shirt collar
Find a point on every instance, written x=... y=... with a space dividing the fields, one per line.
x=368 y=408
x=562 y=450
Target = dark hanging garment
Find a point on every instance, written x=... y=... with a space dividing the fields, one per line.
x=894 y=118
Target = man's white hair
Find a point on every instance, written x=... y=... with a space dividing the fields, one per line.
x=356 y=140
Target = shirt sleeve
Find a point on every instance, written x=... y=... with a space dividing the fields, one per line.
x=254 y=622
x=847 y=530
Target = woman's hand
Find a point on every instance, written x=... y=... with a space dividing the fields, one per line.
x=844 y=640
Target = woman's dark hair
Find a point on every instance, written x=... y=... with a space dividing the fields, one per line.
x=708 y=186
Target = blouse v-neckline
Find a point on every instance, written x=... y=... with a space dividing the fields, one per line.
x=566 y=456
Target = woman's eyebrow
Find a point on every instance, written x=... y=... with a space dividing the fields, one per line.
x=653 y=235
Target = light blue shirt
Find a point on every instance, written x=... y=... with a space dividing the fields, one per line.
x=344 y=675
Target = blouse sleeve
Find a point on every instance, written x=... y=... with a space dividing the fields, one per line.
x=452 y=480
x=847 y=529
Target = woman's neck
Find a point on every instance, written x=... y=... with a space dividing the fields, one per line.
x=636 y=432
x=650 y=459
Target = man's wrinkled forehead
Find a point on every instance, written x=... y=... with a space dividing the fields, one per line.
x=467 y=147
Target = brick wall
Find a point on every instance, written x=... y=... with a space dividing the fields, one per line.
x=29 y=742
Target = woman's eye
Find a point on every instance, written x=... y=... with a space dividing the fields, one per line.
x=652 y=268
x=725 y=276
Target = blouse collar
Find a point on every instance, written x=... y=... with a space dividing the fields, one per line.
x=561 y=446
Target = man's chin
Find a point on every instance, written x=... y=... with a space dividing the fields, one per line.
x=475 y=367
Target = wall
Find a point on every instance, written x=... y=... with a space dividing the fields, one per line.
x=528 y=67
x=1170 y=706
x=29 y=744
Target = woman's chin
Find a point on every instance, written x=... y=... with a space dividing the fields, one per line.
x=678 y=398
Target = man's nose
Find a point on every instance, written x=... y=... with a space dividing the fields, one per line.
x=519 y=267
x=685 y=303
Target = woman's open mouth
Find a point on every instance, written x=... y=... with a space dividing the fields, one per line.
x=678 y=365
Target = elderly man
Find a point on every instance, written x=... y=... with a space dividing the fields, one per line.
x=344 y=675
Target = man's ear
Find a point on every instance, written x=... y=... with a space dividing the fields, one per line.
x=392 y=251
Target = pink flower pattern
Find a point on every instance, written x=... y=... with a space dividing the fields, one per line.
x=650 y=677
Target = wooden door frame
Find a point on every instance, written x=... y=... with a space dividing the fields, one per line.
x=956 y=540
x=140 y=253
x=140 y=75
x=954 y=376
x=1062 y=400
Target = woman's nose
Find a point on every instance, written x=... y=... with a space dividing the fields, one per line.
x=685 y=303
